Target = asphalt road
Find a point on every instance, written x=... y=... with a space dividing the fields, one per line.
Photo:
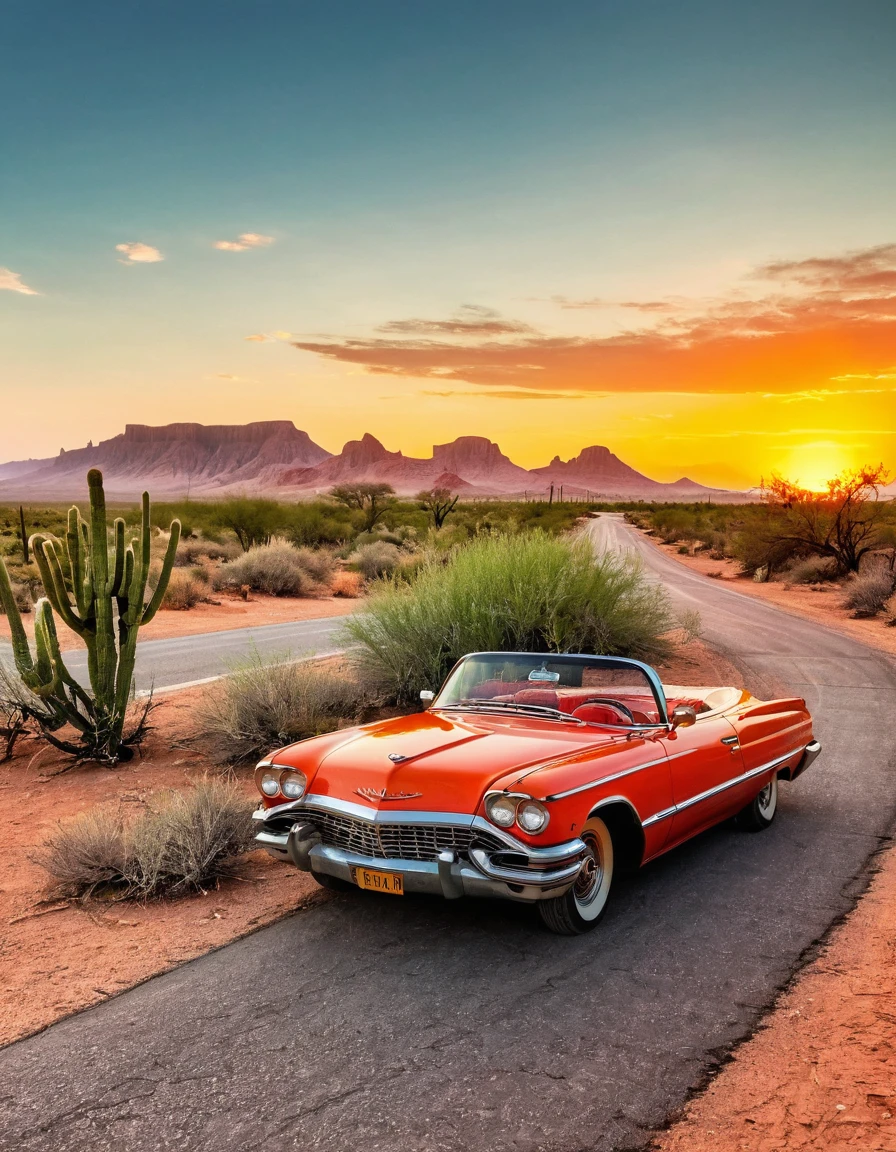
x=187 y=659
x=410 y=1025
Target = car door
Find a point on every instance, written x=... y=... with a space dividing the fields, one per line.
x=705 y=758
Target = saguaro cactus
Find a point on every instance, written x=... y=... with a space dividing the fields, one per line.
x=101 y=594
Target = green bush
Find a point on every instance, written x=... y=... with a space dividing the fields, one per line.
x=376 y=560
x=261 y=706
x=273 y=568
x=525 y=592
x=187 y=842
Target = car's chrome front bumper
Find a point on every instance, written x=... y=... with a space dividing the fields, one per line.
x=535 y=874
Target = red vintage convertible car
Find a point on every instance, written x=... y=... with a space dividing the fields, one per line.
x=530 y=777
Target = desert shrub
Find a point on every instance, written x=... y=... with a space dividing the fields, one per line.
x=22 y=596
x=376 y=560
x=274 y=568
x=525 y=592
x=189 y=552
x=318 y=563
x=347 y=584
x=363 y=538
x=867 y=594
x=261 y=706
x=187 y=841
x=186 y=589
x=812 y=570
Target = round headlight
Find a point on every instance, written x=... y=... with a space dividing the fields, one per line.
x=270 y=784
x=292 y=784
x=531 y=816
x=501 y=810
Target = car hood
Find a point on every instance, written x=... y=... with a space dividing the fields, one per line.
x=435 y=761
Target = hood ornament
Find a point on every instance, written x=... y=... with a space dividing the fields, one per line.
x=397 y=757
x=381 y=794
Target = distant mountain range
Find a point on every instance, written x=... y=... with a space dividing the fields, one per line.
x=273 y=457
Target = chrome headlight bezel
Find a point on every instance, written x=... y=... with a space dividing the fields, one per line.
x=513 y=804
x=293 y=783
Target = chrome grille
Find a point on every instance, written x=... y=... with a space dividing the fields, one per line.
x=394 y=841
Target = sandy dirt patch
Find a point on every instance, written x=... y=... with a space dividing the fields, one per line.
x=821 y=1072
x=231 y=612
x=54 y=962
x=820 y=603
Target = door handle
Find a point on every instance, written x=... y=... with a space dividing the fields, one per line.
x=733 y=741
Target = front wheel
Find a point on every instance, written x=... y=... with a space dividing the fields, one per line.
x=580 y=909
x=759 y=813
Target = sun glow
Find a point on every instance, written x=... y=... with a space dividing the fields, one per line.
x=813 y=465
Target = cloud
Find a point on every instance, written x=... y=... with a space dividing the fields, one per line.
x=514 y=394
x=244 y=242
x=268 y=337
x=12 y=282
x=670 y=305
x=468 y=320
x=822 y=319
x=137 y=253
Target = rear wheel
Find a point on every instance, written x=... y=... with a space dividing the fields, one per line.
x=759 y=813
x=580 y=909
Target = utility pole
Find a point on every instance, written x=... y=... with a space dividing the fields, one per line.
x=551 y=497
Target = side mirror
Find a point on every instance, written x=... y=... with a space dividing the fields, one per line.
x=426 y=696
x=683 y=716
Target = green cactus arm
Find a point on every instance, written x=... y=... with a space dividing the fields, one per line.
x=54 y=584
x=21 y=651
x=77 y=557
x=55 y=673
x=118 y=571
x=167 y=565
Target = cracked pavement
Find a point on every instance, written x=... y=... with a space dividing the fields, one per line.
x=415 y=1025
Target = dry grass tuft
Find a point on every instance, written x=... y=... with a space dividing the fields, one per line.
x=347 y=584
x=264 y=706
x=188 y=842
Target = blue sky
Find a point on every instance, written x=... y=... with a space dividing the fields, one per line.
x=404 y=160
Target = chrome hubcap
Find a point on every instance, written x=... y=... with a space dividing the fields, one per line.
x=589 y=877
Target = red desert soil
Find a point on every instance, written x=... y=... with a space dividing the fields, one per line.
x=819 y=602
x=84 y=954
x=821 y=1072
x=53 y=962
x=232 y=612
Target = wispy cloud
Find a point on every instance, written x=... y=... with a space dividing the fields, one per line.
x=137 y=253
x=12 y=282
x=244 y=242
x=823 y=319
x=513 y=394
x=268 y=337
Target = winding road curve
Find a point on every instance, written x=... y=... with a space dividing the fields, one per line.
x=415 y=1025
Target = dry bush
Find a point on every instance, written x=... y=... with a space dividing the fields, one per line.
x=187 y=842
x=377 y=559
x=319 y=563
x=812 y=570
x=274 y=568
x=867 y=595
x=186 y=589
x=262 y=706
x=347 y=584
x=22 y=596
x=192 y=551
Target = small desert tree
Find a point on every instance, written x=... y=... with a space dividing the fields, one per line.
x=439 y=503
x=253 y=520
x=372 y=500
x=102 y=598
x=843 y=522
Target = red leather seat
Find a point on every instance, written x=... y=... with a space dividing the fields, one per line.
x=601 y=714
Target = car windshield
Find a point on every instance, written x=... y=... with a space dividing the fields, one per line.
x=603 y=690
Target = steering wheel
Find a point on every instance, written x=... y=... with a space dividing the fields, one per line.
x=608 y=700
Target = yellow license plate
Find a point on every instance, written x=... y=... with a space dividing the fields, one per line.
x=390 y=882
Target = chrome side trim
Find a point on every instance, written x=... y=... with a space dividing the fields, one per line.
x=617 y=775
x=710 y=792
